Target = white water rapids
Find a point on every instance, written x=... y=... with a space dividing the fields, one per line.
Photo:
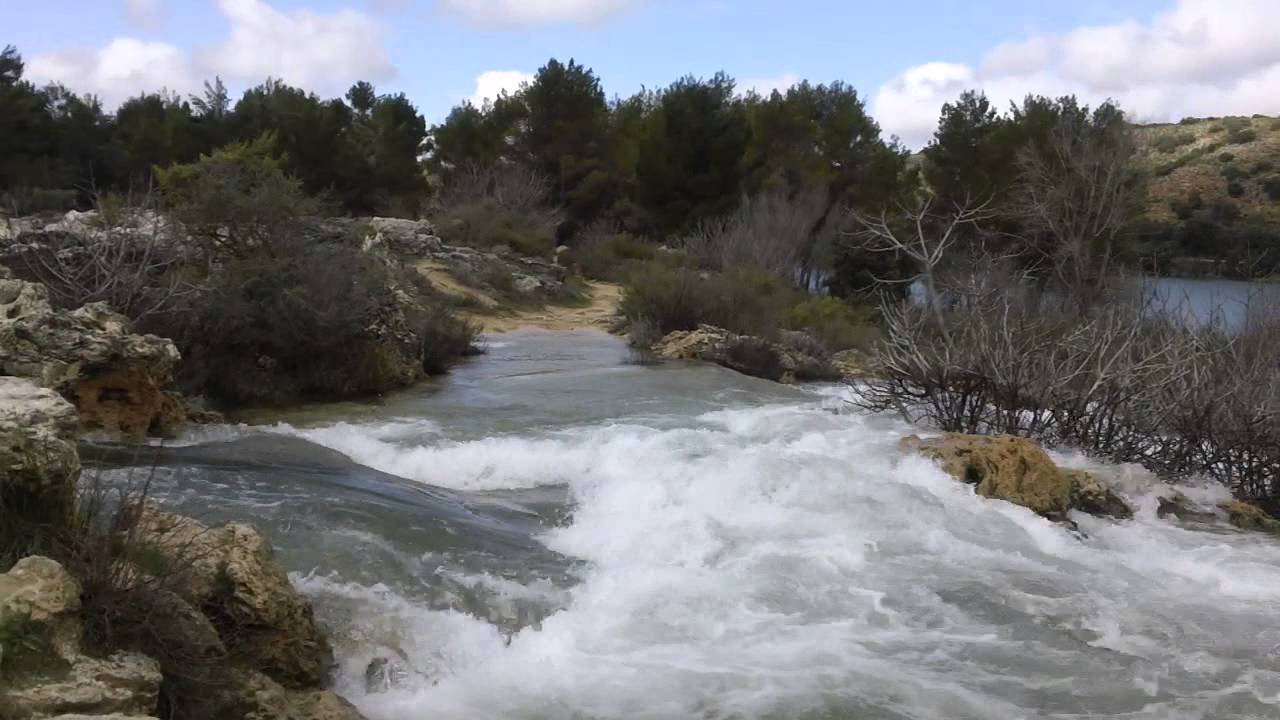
x=774 y=556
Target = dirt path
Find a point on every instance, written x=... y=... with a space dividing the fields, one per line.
x=599 y=313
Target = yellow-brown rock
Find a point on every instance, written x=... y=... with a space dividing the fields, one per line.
x=1019 y=471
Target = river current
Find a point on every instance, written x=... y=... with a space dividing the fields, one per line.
x=557 y=531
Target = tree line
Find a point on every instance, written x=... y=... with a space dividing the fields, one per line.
x=657 y=164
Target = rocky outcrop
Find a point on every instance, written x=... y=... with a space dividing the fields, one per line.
x=230 y=574
x=795 y=357
x=227 y=632
x=250 y=695
x=854 y=364
x=116 y=379
x=490 y=271
x=39 y=612
x=1181 y=508
x=39 y=464
x=1248 y=516
x=1019 y=471
x=406 y=238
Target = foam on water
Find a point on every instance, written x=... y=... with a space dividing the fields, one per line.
x=786 y=561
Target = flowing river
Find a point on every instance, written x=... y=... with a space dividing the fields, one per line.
x=553 y=531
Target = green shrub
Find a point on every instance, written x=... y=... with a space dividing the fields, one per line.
x=1188 y=121
x=1271 y=186
x=33 y=201
x=1188 y=157
x=25 y=650
x=237 y=201
x=1173 y=141
x=1262 y=166
x=1235 y=124
x=444 y=337
x=1227 y=157
x=1233 y=172
x=839 y=325
x=485 y=223
x=1241 y=136
x=754 y=356
x=1235 y=189
x=608 y=255
x=322 y=320
x=667 y=299
x=742 y=300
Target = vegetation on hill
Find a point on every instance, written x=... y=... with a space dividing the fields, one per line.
x=1214 y=194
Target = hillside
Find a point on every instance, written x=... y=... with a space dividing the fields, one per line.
x=1232 y=160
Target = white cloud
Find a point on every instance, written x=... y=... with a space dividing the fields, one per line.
x=1200 y=57
x=506 y=14
x=325 y=52
x=145 y=13
x=118 y=71
x=491 y=84
x=766 y=85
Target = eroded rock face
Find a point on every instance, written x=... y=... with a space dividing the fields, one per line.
x=39 y=596
x=254 y=696
x=39 y=465
x=115 y=378
x=38 y=592
x=233 y=577
x=1019 y=471
x=413 y=238
x=125 y=683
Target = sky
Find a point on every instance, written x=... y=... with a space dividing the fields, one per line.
x=1161 y=59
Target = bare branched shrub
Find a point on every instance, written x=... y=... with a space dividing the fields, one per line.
x=503 y=205
x=926 y=235
x=134 y=269
x=1122 y=383
x=513 y=187
x=776 y=231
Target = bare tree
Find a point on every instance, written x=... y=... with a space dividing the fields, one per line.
x=926 y=235
x=1077 y=195
x=776 y=231
x=133 y=267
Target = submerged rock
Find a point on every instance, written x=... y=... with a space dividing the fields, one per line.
x=1019 y=471
x=383 y=674
x=1179 y=507
x=116 y=379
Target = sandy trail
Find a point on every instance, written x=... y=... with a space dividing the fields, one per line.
x=599 y=313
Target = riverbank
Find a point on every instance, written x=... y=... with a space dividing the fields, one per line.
x=597 y=310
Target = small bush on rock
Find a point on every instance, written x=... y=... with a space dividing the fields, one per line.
x=444 y=336
x=236 y=201
x=1173 y=141
x=839 y=325
x=742 y=300
x=284 y=327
